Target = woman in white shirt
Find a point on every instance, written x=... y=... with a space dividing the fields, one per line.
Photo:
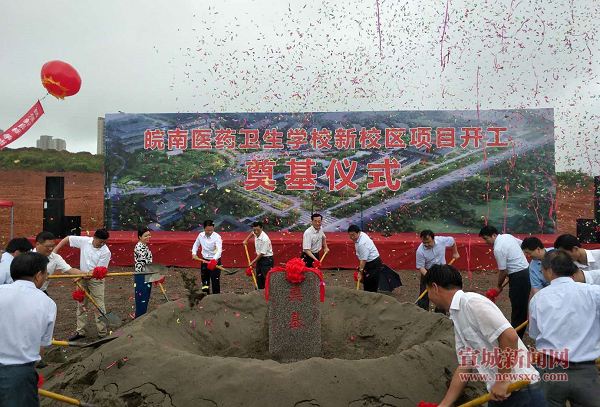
x=143 y=256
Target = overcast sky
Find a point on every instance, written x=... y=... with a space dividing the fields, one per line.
x=278 y=56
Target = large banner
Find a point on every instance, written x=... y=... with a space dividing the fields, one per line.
x=399 y=171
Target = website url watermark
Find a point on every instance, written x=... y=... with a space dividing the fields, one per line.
x=513 y=377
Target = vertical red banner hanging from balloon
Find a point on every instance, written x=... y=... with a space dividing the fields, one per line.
x=21 y=127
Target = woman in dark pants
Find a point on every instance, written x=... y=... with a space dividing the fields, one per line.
x=143 y=256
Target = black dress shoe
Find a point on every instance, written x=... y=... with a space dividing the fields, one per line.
x=76 y=337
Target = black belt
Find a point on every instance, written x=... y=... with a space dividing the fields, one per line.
x=266 y=257
x=373 y=260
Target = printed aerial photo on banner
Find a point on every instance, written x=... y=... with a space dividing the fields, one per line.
x=393 y=171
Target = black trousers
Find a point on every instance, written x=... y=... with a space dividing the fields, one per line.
x=581 y=389
x=424 y=302
x=211 y=276
x=371 y=275
x=519 y=287
x=307 y=259
x=18 y=386
x=263 y=266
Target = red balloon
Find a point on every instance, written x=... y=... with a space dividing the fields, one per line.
x=60 y=79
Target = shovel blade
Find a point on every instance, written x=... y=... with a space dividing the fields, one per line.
x=156 y=268
x=111 y=320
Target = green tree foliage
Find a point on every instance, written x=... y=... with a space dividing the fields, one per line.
x=35 y=159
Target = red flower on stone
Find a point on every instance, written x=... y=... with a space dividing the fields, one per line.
x=99 y=273
x=212 y=264
x=78 y=295
x=294 y=270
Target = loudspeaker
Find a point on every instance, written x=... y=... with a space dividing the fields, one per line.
x=54 y=212
x=55 y=187
x=586 y=231
x=71 y=226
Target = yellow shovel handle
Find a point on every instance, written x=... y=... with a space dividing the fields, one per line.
x=250 y=265
x=62 y=398
x=487 y=397
x=247 y=254
x=89 y=275
x=89 y=296
x=60 y=343
x=523 y=325
x=323 y=256
x=162 y=289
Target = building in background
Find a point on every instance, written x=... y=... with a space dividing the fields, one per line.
x=100 y=143
x=49 y=143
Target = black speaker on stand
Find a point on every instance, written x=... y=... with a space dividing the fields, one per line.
x=55 y=187
x=54 y=212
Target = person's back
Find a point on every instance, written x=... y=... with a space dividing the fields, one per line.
x=27 y=320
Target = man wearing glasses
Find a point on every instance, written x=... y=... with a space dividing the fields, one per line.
x=44 y=244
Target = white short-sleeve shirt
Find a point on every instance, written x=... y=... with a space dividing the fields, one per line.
x=508 y=254
x=89 y=256
x=313 y=240
x=55 y=262
x=263 y=246
x=478 y=323
x=593 y=260
x=592 y=276
x=436 y=255
x=5 y=262
x=26 y=322
x=365 y=248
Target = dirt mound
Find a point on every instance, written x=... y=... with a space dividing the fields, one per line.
x=376 y=352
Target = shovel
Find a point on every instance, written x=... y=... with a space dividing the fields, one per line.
x=425 y=290
x=148 y=274
x=62 y=398
x=220 y=267
x=250 y=265
x=83 y=345
x=155 y=271
x=109 y=319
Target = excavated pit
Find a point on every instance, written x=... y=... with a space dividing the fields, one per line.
x=376 y=352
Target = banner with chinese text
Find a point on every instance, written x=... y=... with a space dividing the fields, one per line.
x=399 y=171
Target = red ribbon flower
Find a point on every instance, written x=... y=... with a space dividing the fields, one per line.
x=249 y=271
x=212 y=264
x=492 y=294
x=156 y=283
x=78 y=295
x=40 y=380
x=424 y=404
x=356 y=275
x=99 y=273
x=317 y=264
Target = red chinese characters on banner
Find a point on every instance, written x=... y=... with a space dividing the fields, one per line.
x=296 y=138
x=301 y=176
x=273 y=139
x=338 y=167
x=471 y=133
x=251 y=139
x=260 y=174
x=201 y=139
x=446 y=137
x=420 y=137
x=382 y=174
x=20 y=127
x=345 y=139
x=154 y=140
x=224 y=138
x=370 y=138
x=296 y=321
x=497 y=142
x=177 y=139
x=393 y=138
x=320 y=139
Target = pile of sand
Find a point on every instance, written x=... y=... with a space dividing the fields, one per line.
x=376 y=352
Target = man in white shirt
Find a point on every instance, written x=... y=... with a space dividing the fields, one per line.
x=368 y=255
x=26 y=325
x=313 y=241
x=584 y=259
x=484 y=340
x=565 y=325
x=15 y=247
x=93 y=253
x=432 y=250
x=44 y=244
x=264 y=253
x=212 y=248
x=512 y=262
